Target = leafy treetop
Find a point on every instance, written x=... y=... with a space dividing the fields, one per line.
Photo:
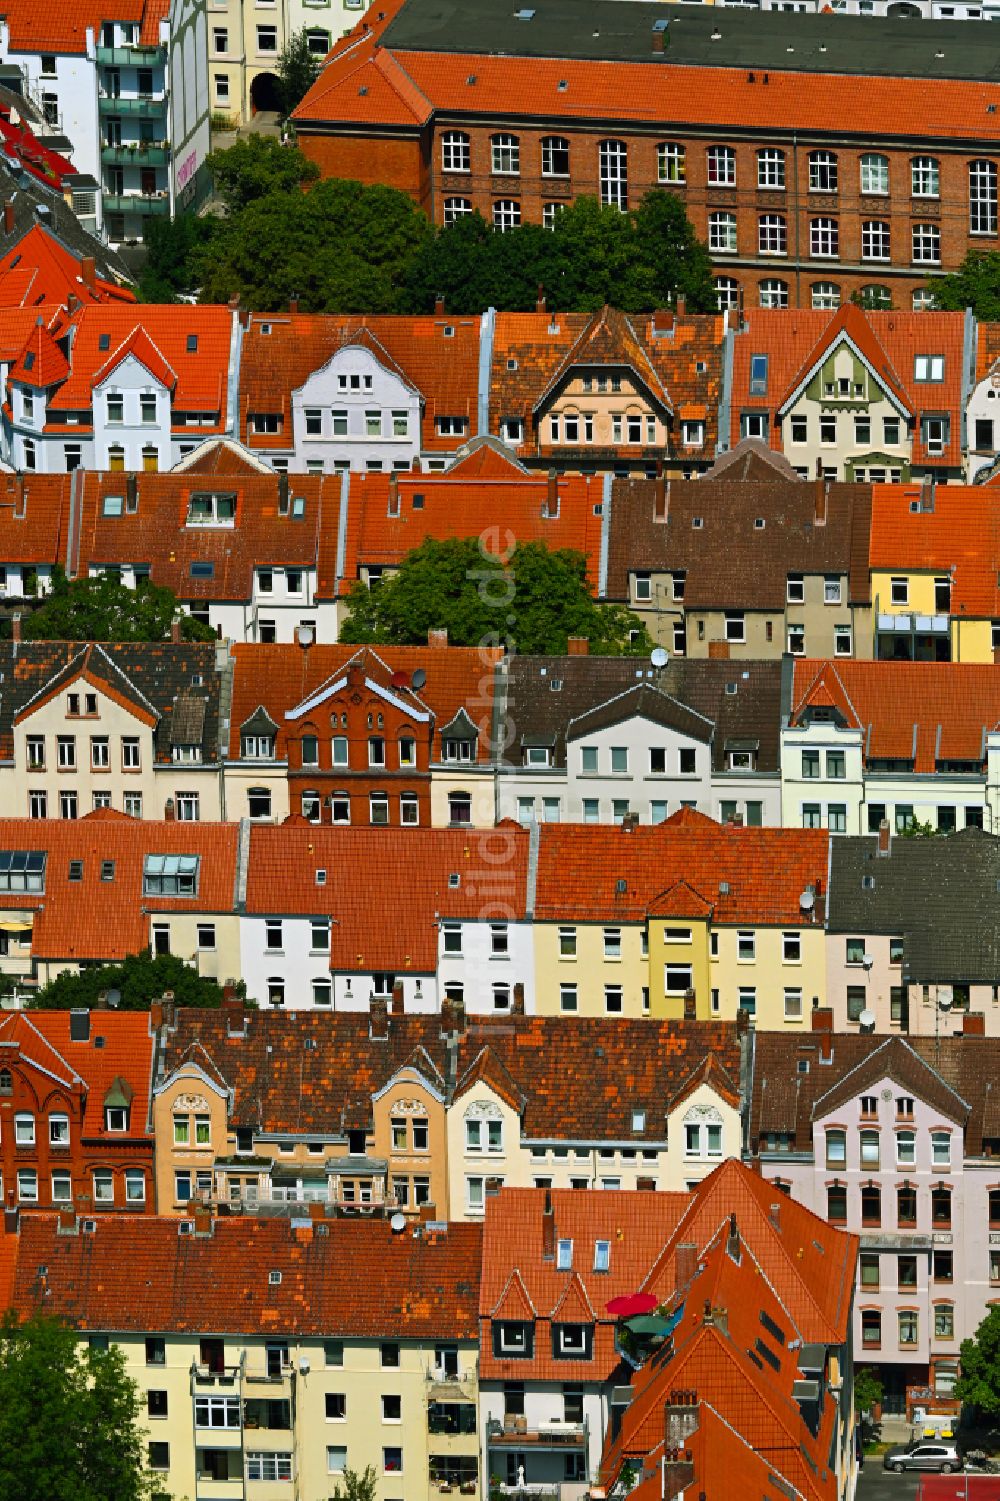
x=979 y=1382
x=139 y=980
x=104 y=609
x=975 y=285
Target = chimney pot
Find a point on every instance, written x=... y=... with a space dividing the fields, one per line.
x=8 y=216
x=15 y=625
x=661 y=492
x=884 y=837
x=540 y=299
x=378 y=1019
x=552 y=495
x=88 y=271
x=821 y=497
x=175 y=632
x=438 y=639
x=517 y=1004
x=439 y=305
x=397 y=1004
x=235 y=1014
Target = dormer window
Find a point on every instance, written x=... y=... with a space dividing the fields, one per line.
x=257 y=747
x=572 y=1341
x=513 y=1339
x=537 y=755
x=211 y=510
x=457 y=750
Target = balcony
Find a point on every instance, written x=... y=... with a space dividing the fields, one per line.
x=143 y=106
x=131 y=57
x=554 y=1435
x=143 y=204
x=136 y=154
x=222 y=1380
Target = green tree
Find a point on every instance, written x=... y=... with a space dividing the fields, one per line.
x=103 y=609
x=69 y=1418
x=355 y=1487
x=867 y=1390
x=344 y=248
x=257 y=167
x=975 y=285
x=172 y=249
x=532 y=602
x=139 y=980
x=670 y=258
x=979 y=1383
x=298 y=70
x=920 y=830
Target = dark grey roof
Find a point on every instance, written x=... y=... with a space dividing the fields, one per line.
x=940 y=894
x=742 y=700
x=623 y=30
x=27 y=194
x=188 y=724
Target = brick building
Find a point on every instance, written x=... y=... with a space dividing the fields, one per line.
x=802 y=146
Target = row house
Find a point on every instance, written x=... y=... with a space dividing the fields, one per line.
x=893 y=1141
x=909 y=743
x=911 y=934
x=262 y=1111
x=743 y=1376
x=341 y=735
x=796 y=212
x=132 y=727
x=600 y=739
x=259 y=1371
x=74 y=1102
x=127 y=96
x=118 y=386
x=92 y=891
x=743 y=568
x=684 y=919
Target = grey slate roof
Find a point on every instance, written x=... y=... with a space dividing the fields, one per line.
x=940 y=895
x=741 y=700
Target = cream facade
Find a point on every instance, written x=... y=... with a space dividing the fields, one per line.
x=844 y=423
x=245 y=41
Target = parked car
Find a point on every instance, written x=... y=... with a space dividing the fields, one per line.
x=942 y=1455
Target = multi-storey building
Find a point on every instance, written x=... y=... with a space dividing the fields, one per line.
x=597 y=739
x=755 y=569
x=514 y=116
x=265 y=1111
x=894 y=1141
x=260 y=1372
x=74 y=1102
x=246 y=42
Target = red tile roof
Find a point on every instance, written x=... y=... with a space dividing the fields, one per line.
x=63 y=27
x=41 y=362
x=443 y=367
x=926 y=712
x=134 y=1274
x=40 y=269
x=850 y=322
x=280 y=678
x=108 y=920
x=517 y=1274
x=962 y=531
x=43 y=1039
x=383 y=925
x=766 y=870
x=34 y=518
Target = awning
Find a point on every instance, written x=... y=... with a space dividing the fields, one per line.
x=23 y=925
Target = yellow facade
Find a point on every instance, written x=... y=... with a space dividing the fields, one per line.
x=678 y=964
x=971 y=640
x=785 y=988
x=569 y=954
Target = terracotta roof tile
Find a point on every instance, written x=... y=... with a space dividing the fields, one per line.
x=119 y=1046
x=962 y=530
x=39 y=268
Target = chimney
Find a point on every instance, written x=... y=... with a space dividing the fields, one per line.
x=774 y=1214
x=685 y=1265
x=393 y=494
x=132 y=491
x=682 y=1418
x=733 y=1239
x=884 y=838
x=682 y=303
x=718 y=651
x=355 y=675
x=88 y=271
x=974 y=1024
x=283 y=493
x=661 y=494
x=202 y=1218
x=233 y=303
x=234 y=1012
x=428 y=1212
x=659 y=40
x=15 y=625
x=822 y=1025
x=690 y=1005
x=67 y=1219
x=517 y=1004
x=821 y=491
x=707 y=1313
x=168 y=810
x=378 y=1019
x=293 y=305
x=438 y=639
x=540 y=299
x=396 y=1003
x=742 y=1022
x=721 y=1316
x=175 y=632
x=452 y=1015
x=73 y=303
x=101 y=1002
x=630 y=823
x=663 y=321
x=169 y=1006
x=11 y=1219
x=548 y=1228
x=577 y=646
x=736 y=819
x=155 y=1016
x=8 y=216
x=243 y=314
x=927 y=493
x=439 y=306
x=551 y=496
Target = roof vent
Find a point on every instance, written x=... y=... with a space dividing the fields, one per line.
x=454 y=880
x=471 y=79
x=321 y=877
x=524 y=15
x=697 y=522
x=991 y=109
x=88 y=1226
x=562 y=86
x=362 y=91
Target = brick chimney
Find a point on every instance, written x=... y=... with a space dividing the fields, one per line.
x=397 y=1004
x=428 y=1212
x=168 y=810
x=11 y=1219
x=690 y=1005
x=378 y=1019
x=681 y=1418
x=355 y=675
x=517 y=1003
x=822 y=1025
x=169 y=1006
x=293 y=305
x=548 y=1228
x=67 y=1220
x=821 y=493
x=540 y=299
x=630 y=823
x=551 y=495
x=884 y=838
x=88 y=271
x=8 y=216
x=439 y=306
x=577 y=646
x=663 y=321
x=685 y=1264
x=234 y=1012
x=175 y=632
x=15 y=626
x=438 y=639
x=202 y=1218
x=393 y=495
x=661 y=496
x=659 y=40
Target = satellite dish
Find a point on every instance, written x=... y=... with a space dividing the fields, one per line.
x=807 y=901
x=659 y=657
x=419 y=678
x=397 y=1224
x=867 y=1020
x=945 y=997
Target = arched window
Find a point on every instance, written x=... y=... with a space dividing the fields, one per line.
x=925 y=177
x=825 y=294
x=310 y=749
x=770 y=168
x=505 y=154
x=721 y=162
x=722 y=234
x=772 y=234
x=824 y=237
x=456 y=155
x=875 y=298
x=874 y=173
x=671 y=163
x=555 y=156
x=822 y=172
x=773 y=293
x=6 y=1081
x=727 y=292
x=506 y=214
x=875 y=240
x=456 y=208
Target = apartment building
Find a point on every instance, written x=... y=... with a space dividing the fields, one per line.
x=891 y=1140
x=743 y=569
x=911 y=743
x=742 y=1379
x=797 y=209
x=264 y=1111
x=685 y=919
x=911 y=935
x=127 y=96
x=245 y=44
x=74 y=1101
x=259 y=1369
x=598 y=739
x=341 y=735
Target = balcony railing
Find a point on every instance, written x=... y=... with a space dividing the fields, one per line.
x=136 y=154
x=143 y=204
x=553 y=1435
x=136 y=56
x=143 y=105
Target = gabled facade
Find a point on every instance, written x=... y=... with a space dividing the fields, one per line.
x=74 y=1100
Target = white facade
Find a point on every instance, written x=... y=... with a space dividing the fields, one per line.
x=492 y=957
x=355 y=413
